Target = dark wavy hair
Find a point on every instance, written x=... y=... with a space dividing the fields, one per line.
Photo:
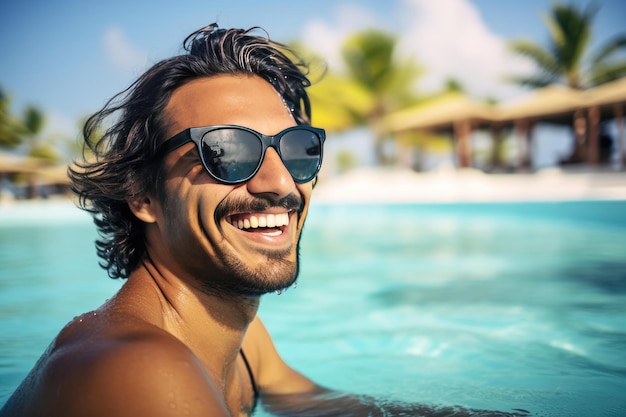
x=119 y=159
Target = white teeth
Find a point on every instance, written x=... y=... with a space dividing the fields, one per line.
x=269 y=220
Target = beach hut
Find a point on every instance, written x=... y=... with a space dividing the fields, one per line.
x=607 y=102
x=31 y=172
x=582 y=110
x=555 y=104
x=452 y=113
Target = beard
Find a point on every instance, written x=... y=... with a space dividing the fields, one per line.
x=280 y=269
x=237 y=279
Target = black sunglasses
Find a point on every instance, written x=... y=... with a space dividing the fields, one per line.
x=233 y=154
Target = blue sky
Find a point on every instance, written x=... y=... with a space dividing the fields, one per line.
x=68 y=56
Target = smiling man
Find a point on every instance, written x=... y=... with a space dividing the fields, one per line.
x=199 y=188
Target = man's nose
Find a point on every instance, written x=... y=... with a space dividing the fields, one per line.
x=272 y=177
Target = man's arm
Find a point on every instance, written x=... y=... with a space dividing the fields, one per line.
x=272 y=374
x=285 y=392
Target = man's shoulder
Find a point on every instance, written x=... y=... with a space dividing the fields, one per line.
x=96 y=338
x=117 y=364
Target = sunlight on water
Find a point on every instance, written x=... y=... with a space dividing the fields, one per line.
x=513 y=306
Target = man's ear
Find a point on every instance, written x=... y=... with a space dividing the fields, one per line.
x=144 y=208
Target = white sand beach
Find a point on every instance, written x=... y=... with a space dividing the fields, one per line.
x=380 y=185
x=392 y=185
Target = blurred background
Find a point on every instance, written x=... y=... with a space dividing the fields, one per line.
x=512 y=296
x=414 y=85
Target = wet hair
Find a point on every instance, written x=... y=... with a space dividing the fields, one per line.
x=119 y=159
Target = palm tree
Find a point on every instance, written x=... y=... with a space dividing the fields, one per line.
x=9 y=126
x=33 y=124
x=567 y=59
x=24 y=131
x=374 y=83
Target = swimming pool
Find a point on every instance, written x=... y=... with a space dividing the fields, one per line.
x=497 y=306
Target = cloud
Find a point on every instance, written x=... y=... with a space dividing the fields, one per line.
x=446 y=37
x=326 y=37
x=451 y=40
x=121 y=53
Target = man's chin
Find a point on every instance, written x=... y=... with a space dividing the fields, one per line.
x=278 y=280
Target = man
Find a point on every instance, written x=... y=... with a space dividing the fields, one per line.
x=199 y=189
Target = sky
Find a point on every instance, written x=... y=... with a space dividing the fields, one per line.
x=68 y=57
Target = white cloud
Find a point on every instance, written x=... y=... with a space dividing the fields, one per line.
x=326 y=37
x=450 y=38
x=122 y=54
x=447 y=37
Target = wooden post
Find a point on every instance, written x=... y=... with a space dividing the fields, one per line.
x=462 y=131
x=618 y=109
x=496 y=148
x=580 y=137
x=593 y=115
x=523 y=129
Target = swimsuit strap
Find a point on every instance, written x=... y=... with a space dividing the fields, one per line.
x=252 y=381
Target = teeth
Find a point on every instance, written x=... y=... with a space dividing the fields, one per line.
x=269 y=220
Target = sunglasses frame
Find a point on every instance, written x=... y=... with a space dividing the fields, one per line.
x=196 y=135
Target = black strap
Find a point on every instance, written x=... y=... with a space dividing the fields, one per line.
x=252 y=381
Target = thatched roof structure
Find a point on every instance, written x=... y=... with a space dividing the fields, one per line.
x=554 y=104
x=39 y=170
x=441 y=113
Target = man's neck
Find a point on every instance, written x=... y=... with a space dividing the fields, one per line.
x=213 y=327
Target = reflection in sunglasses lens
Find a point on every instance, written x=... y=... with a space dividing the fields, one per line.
x=301 y=152
x=234 y=155
x=240 y=154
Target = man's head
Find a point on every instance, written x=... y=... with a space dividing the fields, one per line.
x=139 y=193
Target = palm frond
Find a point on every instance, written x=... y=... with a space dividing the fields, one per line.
x=532 y=81
x=575 y=27
x=608 y=72
x=541 y=57
x=609 y=48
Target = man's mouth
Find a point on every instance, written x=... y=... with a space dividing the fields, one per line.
x=260 y=221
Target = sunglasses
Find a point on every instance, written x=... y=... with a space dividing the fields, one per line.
x=233 y=154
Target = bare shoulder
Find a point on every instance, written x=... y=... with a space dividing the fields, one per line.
x=273 y=375
x=105 y=367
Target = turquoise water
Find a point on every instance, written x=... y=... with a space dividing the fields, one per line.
x=496 y=306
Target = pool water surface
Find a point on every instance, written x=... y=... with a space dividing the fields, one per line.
x=491 y=306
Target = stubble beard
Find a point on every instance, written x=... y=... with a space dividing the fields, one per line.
x=237 y=279
x=278 y=272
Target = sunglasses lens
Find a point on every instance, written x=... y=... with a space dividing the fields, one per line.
x=231 y=155
x=301 y=151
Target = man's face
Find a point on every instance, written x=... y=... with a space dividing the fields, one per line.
x=204 y=229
